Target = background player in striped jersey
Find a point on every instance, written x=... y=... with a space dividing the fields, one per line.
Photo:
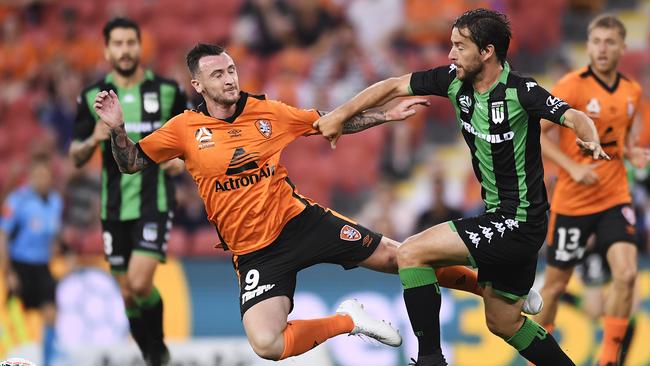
x=594 y=198
x=499 y=113
x=231 y=145
x=136 y=210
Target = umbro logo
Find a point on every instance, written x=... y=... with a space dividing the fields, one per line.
x=234 y=132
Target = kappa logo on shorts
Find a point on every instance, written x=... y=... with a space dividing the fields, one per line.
x=264 y=127
x=487 y=232
x=474 y=237
x=499 y=226
x=512 y=224
x=349 y=233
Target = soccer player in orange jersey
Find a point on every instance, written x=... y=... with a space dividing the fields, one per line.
x=231 y=146
x=593 y=198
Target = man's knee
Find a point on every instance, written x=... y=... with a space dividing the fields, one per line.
x=139 y=286
x=625 y=277
x=266 y=344
x=410 y=253
x=504 y=328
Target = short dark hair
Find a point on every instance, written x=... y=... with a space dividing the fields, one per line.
x=487 y=27
x=199 y=51
x=607 y=21
x=120 y=22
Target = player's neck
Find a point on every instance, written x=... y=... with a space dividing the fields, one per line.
x=484 y=80
x=609 y=77
x=218 y=110
x=125 y=82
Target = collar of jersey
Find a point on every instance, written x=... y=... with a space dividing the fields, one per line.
x=241 y=103
x=613 y=88
x=148 y=75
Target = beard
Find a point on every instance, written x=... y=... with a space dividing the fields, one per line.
x=126 y=72
x=470 y=73
x=225 y=100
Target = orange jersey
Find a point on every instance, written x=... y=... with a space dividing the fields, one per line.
x=236 y=166
x=612 y=110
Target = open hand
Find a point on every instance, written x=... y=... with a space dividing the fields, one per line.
x=585 y=173
x=594 y=149
x=108 y=108
x=404 y=109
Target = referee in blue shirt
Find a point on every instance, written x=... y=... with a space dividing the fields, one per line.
x=30 y=224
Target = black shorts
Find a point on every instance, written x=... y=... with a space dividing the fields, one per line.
x=145 y=236
x=567 y=235
x=37 y=286
x=504 y=251
x=314 y=236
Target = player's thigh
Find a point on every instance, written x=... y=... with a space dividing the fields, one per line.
x=439 y=246
x=266 y=320
x=556 y=279
x=502 y=315
x=567 y=238
x=334 y=238
x=140 y=273
x=622 y=260
x=384 y=258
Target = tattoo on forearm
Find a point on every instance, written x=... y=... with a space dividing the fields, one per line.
x=364 y=121
x=127 y=156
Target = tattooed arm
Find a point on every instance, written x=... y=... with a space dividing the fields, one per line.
x=376 y=117
x=127 y=156
x=364 y=120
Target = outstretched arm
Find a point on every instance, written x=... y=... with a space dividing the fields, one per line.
x=128 y=157
x=331 y=124
x=586 y=132
x=376 y=117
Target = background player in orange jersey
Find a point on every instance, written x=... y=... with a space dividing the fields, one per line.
x=593 y=198
x=231 y=145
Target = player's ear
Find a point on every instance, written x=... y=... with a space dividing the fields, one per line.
x=197 y=86
x=487 y=52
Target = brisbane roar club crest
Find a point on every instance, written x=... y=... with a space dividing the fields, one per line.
x=349 y=233
x=264 y=127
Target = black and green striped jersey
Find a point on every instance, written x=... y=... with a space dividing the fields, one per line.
x=146 y=107
x=502 y=129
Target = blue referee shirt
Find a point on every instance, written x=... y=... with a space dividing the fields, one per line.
x=31 y=223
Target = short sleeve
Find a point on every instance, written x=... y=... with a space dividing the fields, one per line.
x=84 y=122
x=433 y=82
x=165 y=143
x=539 y=103
x=297 y=121
x=9 y=219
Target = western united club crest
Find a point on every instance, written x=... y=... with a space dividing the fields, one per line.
x=264 y=127
x=150 y=102
x=349 y=233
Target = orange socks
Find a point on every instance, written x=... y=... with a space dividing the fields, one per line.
x=613 y=335
x=459 y=278
x=302 y=335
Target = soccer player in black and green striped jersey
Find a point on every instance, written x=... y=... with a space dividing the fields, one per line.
x=136 y=210
x=499 y=113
